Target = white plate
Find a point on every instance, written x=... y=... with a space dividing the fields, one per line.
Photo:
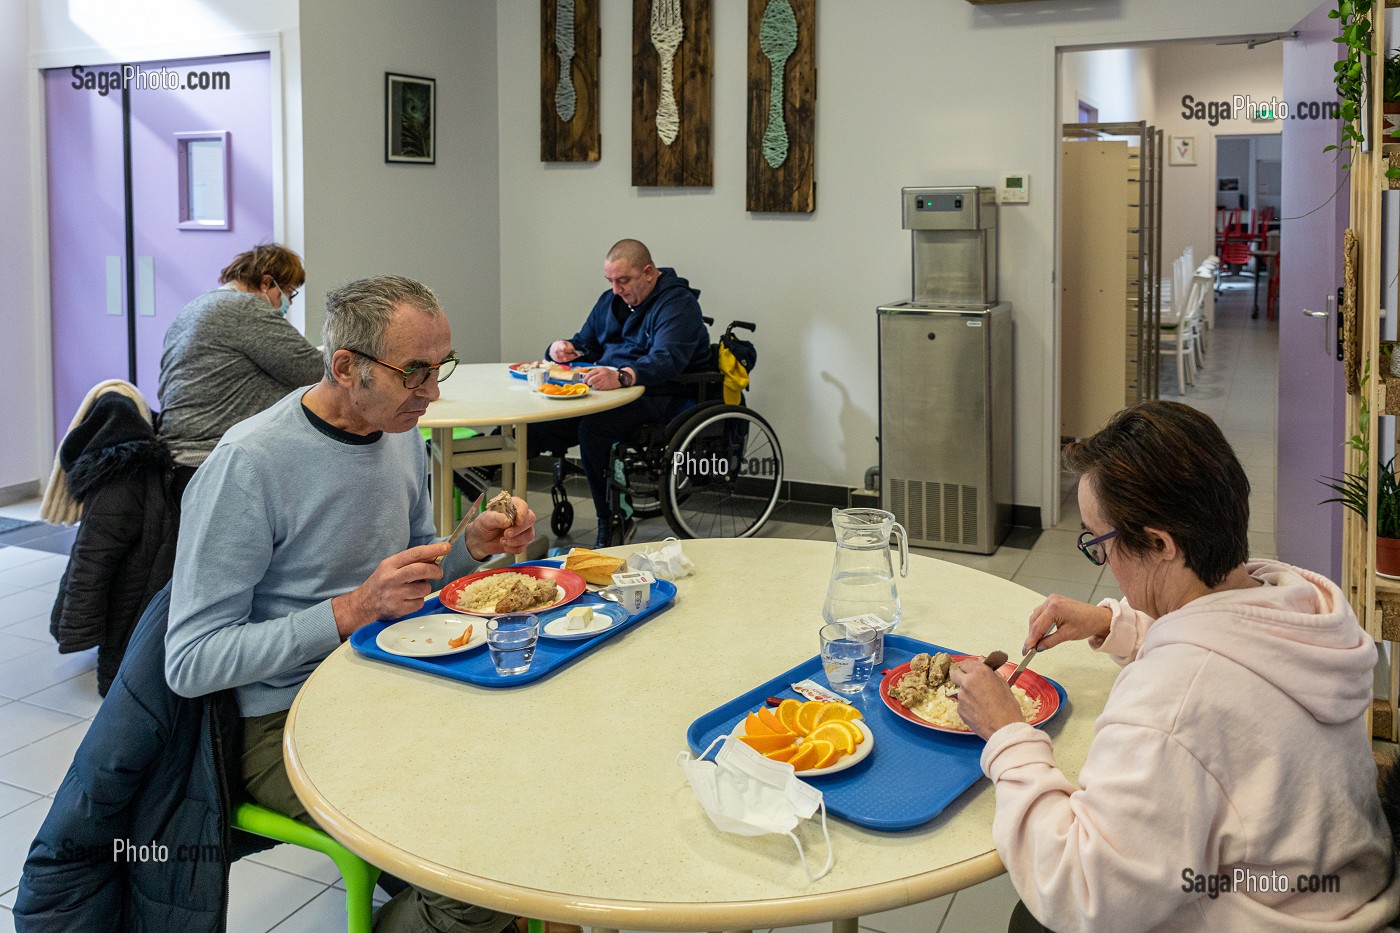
x=604 y=618
x=410 y=637
x=847 y=761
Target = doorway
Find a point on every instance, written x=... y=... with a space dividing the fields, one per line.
x=158 y=174
x=1236 y=379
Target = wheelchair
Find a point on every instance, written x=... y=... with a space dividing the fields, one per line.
x=715 y=471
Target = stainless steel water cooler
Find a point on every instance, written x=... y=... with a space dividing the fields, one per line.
x=945 y=379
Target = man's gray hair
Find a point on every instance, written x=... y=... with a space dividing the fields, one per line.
x=358 y=315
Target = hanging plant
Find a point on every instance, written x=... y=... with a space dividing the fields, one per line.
x=1350 y=71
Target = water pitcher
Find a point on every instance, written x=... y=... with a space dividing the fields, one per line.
x=862 y=576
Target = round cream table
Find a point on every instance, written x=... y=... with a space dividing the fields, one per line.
x=563 y=799
x=482 y=395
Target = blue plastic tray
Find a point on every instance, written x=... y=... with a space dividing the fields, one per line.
x=475 y=667
x=909 y=777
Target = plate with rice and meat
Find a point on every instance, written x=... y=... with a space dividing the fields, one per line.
x=921 y=692
x=511 y=591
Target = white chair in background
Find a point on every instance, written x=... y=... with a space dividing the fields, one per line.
x=1177 y=333
x=1209 y=267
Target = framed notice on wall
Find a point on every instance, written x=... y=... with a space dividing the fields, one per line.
x=1182 y=150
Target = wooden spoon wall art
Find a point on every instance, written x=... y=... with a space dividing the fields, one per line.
x=569 y=49
x=671 y=97
x=782 y=106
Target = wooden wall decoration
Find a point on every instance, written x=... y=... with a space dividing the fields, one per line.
x=569 y=121
x=782 y=56
x=672 y=57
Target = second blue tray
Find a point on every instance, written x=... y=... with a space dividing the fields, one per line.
x=475 y=667
x=912 y=774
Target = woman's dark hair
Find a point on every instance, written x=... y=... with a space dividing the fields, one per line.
x=1166 y=466
x=271 y=259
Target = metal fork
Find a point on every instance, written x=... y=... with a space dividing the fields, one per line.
x=667 y=31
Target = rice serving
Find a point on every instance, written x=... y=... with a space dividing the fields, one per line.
x=519 y=592
x=940 y=709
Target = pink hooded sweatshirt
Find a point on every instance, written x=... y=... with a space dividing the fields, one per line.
x=1230 y=759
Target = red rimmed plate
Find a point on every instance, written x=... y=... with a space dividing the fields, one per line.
x=1036 y=687
x=570 y=584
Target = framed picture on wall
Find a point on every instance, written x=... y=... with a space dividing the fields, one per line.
x=1182 y=151
x=1228 y=184
x=410 y=118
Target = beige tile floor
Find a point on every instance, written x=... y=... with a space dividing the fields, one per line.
x=47 y=700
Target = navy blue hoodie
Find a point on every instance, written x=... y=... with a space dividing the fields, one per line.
x=661 y=338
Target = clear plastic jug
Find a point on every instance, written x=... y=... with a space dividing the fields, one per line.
x=862 y=576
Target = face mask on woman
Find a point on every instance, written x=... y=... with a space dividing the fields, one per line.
x=286 y=304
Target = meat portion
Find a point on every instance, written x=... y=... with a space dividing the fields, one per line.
x=504 y=504
x=527 y=593
x=925 y=675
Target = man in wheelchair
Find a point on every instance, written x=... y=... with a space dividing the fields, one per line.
x=648 y=327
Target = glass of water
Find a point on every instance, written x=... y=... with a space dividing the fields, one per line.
x=848 y=656
x=511 y=641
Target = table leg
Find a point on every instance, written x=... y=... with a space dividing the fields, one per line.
x=846 y=926
x=441 y=450
x=603 y=930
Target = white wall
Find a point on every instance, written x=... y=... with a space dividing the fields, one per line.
x=436 y=223
x=26 y=409
x=909 y=93
x=1207 y=72
x=1119 y=82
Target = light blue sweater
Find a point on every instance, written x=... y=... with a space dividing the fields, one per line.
x=278 y=521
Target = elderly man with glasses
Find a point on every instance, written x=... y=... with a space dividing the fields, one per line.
x=312 y=519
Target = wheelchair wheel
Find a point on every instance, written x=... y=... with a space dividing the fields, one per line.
x=724 y=471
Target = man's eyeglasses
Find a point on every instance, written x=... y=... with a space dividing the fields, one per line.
x=413 y=378
x=1096 y=548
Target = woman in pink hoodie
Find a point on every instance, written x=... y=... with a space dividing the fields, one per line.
x=1230 y=784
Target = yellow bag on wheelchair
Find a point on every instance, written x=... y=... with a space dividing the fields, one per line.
x=736 y=358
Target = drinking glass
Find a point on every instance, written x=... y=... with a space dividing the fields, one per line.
x=511 y=641
x=537 y=377
x=848 y=656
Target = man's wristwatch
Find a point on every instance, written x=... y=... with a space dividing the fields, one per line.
x=624 y=378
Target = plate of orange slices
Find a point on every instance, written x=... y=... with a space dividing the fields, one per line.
x=558 y=393
x=816 y=738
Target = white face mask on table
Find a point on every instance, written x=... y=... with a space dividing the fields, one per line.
x=665 y=561
x=750 y=795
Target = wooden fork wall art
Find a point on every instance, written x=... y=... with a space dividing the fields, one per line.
x=569 y=48
x=671 y=99
x=782 y=105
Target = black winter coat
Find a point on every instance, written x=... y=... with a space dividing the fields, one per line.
x=155 y=769
x=125 y=549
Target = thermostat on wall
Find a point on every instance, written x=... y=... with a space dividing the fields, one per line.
x=1015 y=189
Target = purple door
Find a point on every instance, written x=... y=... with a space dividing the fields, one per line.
x=91 y=278
x=1311 y=396
x=87 y=239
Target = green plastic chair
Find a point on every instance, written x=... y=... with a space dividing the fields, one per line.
x=359 y=875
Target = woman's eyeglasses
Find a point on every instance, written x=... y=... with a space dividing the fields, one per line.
x=413 y=378
x=1096 y=548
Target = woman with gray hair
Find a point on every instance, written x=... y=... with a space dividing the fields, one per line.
x=1230 y=784
x=231 y=353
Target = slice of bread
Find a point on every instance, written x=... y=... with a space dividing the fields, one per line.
x=594 y=567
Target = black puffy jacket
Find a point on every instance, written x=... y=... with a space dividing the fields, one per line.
x=125 y=549
x=156 y=770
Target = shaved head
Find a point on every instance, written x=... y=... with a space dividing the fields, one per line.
x=633 y=252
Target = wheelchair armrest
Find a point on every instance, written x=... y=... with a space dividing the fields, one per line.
x=695 y=379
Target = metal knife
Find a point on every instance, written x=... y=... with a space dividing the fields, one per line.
x=1020 y=668
x=461 y=528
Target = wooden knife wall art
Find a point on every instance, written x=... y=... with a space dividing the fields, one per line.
x=671 y=93
x=782 y=106
x=569 y=47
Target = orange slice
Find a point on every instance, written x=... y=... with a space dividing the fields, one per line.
x=773 y=723
x=783 y=754
x=787 y=713
x=838 y=711
x=806 y=754
x=807 y=716
x=836 y=734
x=827 y=754
x=755 y=726
x=767 y=743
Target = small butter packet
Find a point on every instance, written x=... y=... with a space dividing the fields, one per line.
x=814 y=691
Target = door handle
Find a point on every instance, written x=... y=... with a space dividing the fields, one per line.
x=1314 y=313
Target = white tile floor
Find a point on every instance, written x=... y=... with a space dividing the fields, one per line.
x=47 y=700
